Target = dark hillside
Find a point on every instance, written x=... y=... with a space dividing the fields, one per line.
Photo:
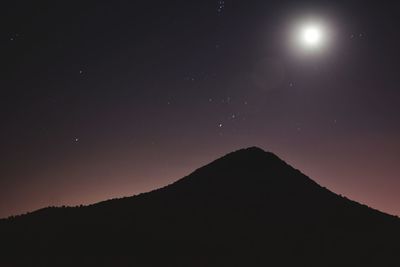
x=248 y=208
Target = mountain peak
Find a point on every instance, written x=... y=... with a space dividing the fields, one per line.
x=251 y=149
x=250 y=157
x=249 y=168
x=250 y=153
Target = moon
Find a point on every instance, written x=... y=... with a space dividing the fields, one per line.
x=309 y=37
x=312 y=36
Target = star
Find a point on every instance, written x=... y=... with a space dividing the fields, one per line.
x=220 y=6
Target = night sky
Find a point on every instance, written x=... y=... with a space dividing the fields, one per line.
x=104 y=99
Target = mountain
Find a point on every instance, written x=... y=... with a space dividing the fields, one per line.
x=248 y=208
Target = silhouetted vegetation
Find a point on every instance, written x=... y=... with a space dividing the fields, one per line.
x=248 y=208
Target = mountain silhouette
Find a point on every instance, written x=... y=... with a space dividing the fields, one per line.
x=248 y=208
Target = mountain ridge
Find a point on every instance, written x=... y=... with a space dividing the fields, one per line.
x=252 y=151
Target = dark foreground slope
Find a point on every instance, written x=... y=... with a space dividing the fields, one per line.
x=248 y=208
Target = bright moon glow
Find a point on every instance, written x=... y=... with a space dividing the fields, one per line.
x=312 y=35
